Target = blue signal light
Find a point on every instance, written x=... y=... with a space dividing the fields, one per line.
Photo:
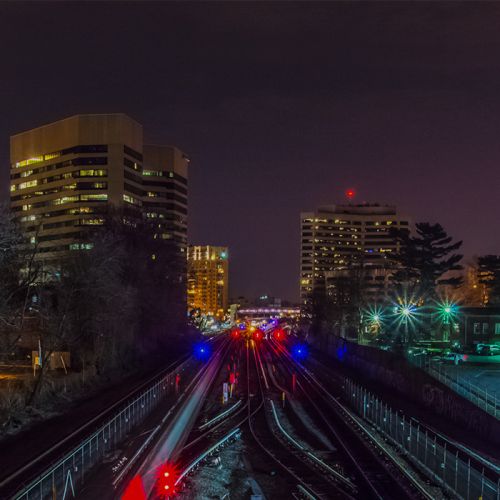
x=202 y=351
x=341 y=352
x=300 y=352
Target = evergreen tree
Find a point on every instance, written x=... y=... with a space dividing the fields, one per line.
x=424 y=260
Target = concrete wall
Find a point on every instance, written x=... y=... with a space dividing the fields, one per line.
x=395 y=373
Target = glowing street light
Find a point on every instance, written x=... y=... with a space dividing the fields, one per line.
x=406 y=311
x=447 y=311
x=373 y=322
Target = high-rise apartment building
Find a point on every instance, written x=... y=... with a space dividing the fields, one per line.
x=65 y=176
x=207 y=282
x=338 y=238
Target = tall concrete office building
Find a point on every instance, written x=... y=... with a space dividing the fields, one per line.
x=335 y=238
x=65 y=176
x=207 y=281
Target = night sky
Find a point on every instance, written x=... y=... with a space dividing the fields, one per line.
x=281 y=107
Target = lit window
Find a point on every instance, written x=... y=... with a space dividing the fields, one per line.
x=81 y=246
x=65 y=199
x=155 y=173
x=29 y=161
x=28 y=218
x=28 y=184
x=93 y=197
x=130 y=199
x=93 y=173
x=92 y=222
x=50 y=156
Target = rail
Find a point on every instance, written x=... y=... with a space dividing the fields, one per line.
x=235 y=433
x=68 y=472
x=382 y=449
x=454 y=470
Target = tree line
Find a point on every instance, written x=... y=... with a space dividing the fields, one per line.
x=424 y=271
x=117 y=305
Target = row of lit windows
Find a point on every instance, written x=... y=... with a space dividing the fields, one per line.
x=82 y=186
x=53 y=178
x=57 y=213
x=354 y=223
x=101 y=160
x=67 y=199
x=50 y=156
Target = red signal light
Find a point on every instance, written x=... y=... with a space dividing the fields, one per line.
x=258 y=334
x=279 y=334
x=135 y=490
x=167 y=477
x=235 y=334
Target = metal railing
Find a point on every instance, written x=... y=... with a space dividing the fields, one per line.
x=450 y=468
x=61 y=480
x=234 y=434
x=452 y=377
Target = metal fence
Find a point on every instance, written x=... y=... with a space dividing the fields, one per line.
x=452 y=377
x=452 y=469
x=62 y=479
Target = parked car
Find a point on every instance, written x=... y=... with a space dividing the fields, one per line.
x=487 y=349
x=453 y=358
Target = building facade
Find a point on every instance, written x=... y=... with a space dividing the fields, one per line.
x=66 y=175
x=339 y=240
x=478 y=325
x=207 y=282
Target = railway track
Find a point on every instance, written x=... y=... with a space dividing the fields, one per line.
x=310 y=479
x=371 y=473
x=378 y=473
x=13 y=481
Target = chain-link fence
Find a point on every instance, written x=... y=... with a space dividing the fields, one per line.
x=62 y=479
x=451 y=376
x=460 y=474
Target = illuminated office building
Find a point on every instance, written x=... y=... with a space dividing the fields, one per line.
x=337 y=238
x=207 y=281
x=65 y=176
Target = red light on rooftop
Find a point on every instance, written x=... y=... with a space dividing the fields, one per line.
x=350 y=193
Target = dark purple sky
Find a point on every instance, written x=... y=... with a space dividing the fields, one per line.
x=281 y=107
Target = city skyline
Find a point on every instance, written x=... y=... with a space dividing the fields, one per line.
x=258 y=92
x=249 y=249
